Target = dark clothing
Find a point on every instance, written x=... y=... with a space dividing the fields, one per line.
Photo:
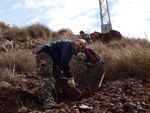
x=61 y=52
x=87 y=38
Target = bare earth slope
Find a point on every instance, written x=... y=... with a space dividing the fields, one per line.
x=120 y=96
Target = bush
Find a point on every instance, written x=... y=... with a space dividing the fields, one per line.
x=128 y=59
x=126 y=42
x=122 y=59
x=62 y=34
x=16 y=34
x=3 y=27
x=66 y=34
x=20 y=61
x=39 y=31
x=131 y=62
x=5 y=75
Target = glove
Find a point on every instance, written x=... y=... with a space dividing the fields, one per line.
x=71 y=82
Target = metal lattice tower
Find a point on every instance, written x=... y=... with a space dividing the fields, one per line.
x=105 y=16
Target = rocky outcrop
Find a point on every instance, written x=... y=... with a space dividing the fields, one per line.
x=5 y=45
x=106 y=37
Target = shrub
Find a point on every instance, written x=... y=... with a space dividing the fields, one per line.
x=39 y=31
x=121 y=60
x=3 y=27
x=126 y=42
x=5 y=75
x=129 y=60
x=8 y=77
x=66 y=34
x=16 y=34
x=20 y=61
x=62 y=34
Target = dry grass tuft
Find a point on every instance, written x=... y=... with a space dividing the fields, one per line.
x=66 y=34
x=128 y=59
x=39 y=31
x=20 y=61
x=62 y=34
x=129 y=62
x=3 y=27
x=122 y=59
x=5 y=75
x=126 y=42
x=16 y=34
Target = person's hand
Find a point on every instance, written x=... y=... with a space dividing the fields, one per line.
x=71 y=82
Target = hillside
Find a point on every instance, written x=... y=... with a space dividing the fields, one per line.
x=125 y=88
x=119 y=96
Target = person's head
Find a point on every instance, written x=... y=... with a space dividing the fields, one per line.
x=81 y=33
x=80 y=44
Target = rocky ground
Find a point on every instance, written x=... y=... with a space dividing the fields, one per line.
x=120 y=96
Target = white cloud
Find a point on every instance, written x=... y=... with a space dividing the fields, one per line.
x=18 y=5
x=128 y=17
x=92 y=12
x=131 y=17
x=42 y=3
x=73 y=14
x=95 y=29
x=32 y=21
x=76 y=24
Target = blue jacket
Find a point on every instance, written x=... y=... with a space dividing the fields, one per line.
x=61 y=52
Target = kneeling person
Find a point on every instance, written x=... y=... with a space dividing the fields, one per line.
x=52 y=58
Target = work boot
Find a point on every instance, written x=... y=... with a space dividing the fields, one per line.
x=50 y=105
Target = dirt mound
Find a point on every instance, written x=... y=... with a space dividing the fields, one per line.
x=13 y=98
x=106 y=37
x=115 y=34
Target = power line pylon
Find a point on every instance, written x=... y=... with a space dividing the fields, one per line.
x=105 y=16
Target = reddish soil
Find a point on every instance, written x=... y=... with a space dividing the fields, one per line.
x=120 y=96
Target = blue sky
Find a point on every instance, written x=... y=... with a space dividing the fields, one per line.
x=130 y=17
